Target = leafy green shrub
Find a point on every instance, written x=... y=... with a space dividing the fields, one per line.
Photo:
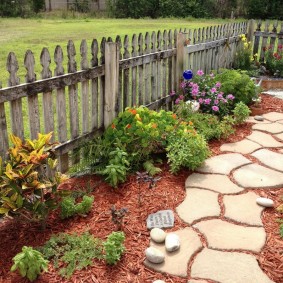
x=114 y=247
x=239 y=84
x=241 y=113
x=117 y=168
x=188 y=150
x=69 y=207
x=74 y=251
x=25 y=189
x=136 y=134
x=30 y=263
x=208 y=125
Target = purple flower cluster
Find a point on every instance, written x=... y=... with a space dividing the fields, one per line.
x=205 y=90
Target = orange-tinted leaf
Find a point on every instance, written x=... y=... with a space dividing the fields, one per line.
x=15 y=140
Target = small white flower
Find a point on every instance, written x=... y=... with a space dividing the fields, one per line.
x=193 y=104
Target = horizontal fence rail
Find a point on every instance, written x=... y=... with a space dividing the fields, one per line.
x=79 y=103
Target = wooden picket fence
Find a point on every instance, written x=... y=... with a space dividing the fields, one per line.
x=78 y=104
x=271 y=35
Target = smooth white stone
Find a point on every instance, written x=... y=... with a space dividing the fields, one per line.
x=172 y=242
x=266 y=202
x=157 y=235
x=154 y=255
x=158 y=281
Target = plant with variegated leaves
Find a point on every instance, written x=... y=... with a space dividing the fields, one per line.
x=25 y=187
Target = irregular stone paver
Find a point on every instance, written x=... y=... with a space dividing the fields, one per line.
x=280 y=121
x=279 y=136
x=198 y=204
x=243 y=208
x=176 y=263
x=263 y=139
x=227 y=236
x=223 y=164
x=270 y=158
x=273 y=116
x=257 y=176
x=214 y=182
x=245 y=146
x=228 y=267
x=273 y=128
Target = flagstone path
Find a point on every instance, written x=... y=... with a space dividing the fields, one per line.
x=224 y=214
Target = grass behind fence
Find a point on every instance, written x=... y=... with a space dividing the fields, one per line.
x=19 y=35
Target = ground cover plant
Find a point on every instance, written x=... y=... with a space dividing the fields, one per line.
x=78 y=251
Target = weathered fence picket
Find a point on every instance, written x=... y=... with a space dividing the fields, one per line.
x=3 y=130
x=47 y=96
x=61 y=109
x=16 y=104
x=142 y=70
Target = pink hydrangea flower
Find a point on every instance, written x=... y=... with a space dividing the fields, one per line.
x=172 y=93
x=213 y=90
x=194 y=91
x=207 y=101
x=219 y=96
x=200 y=73
x=218 y=84
x=182 y=84
x=216 y=101
x=215 y=108
x=230 y=96
x=181 y=97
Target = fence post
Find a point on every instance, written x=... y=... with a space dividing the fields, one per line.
x=112 y=82
x=180 y=58
x=250 y=31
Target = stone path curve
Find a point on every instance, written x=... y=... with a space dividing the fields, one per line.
x=224 y=214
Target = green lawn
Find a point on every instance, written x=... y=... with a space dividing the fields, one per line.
x=19 y=35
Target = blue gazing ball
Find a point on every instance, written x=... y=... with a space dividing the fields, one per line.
x=188 y=74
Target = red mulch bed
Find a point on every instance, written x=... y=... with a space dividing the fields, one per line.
x=168 y=194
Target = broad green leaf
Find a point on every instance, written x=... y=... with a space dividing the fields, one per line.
x=19 y=201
